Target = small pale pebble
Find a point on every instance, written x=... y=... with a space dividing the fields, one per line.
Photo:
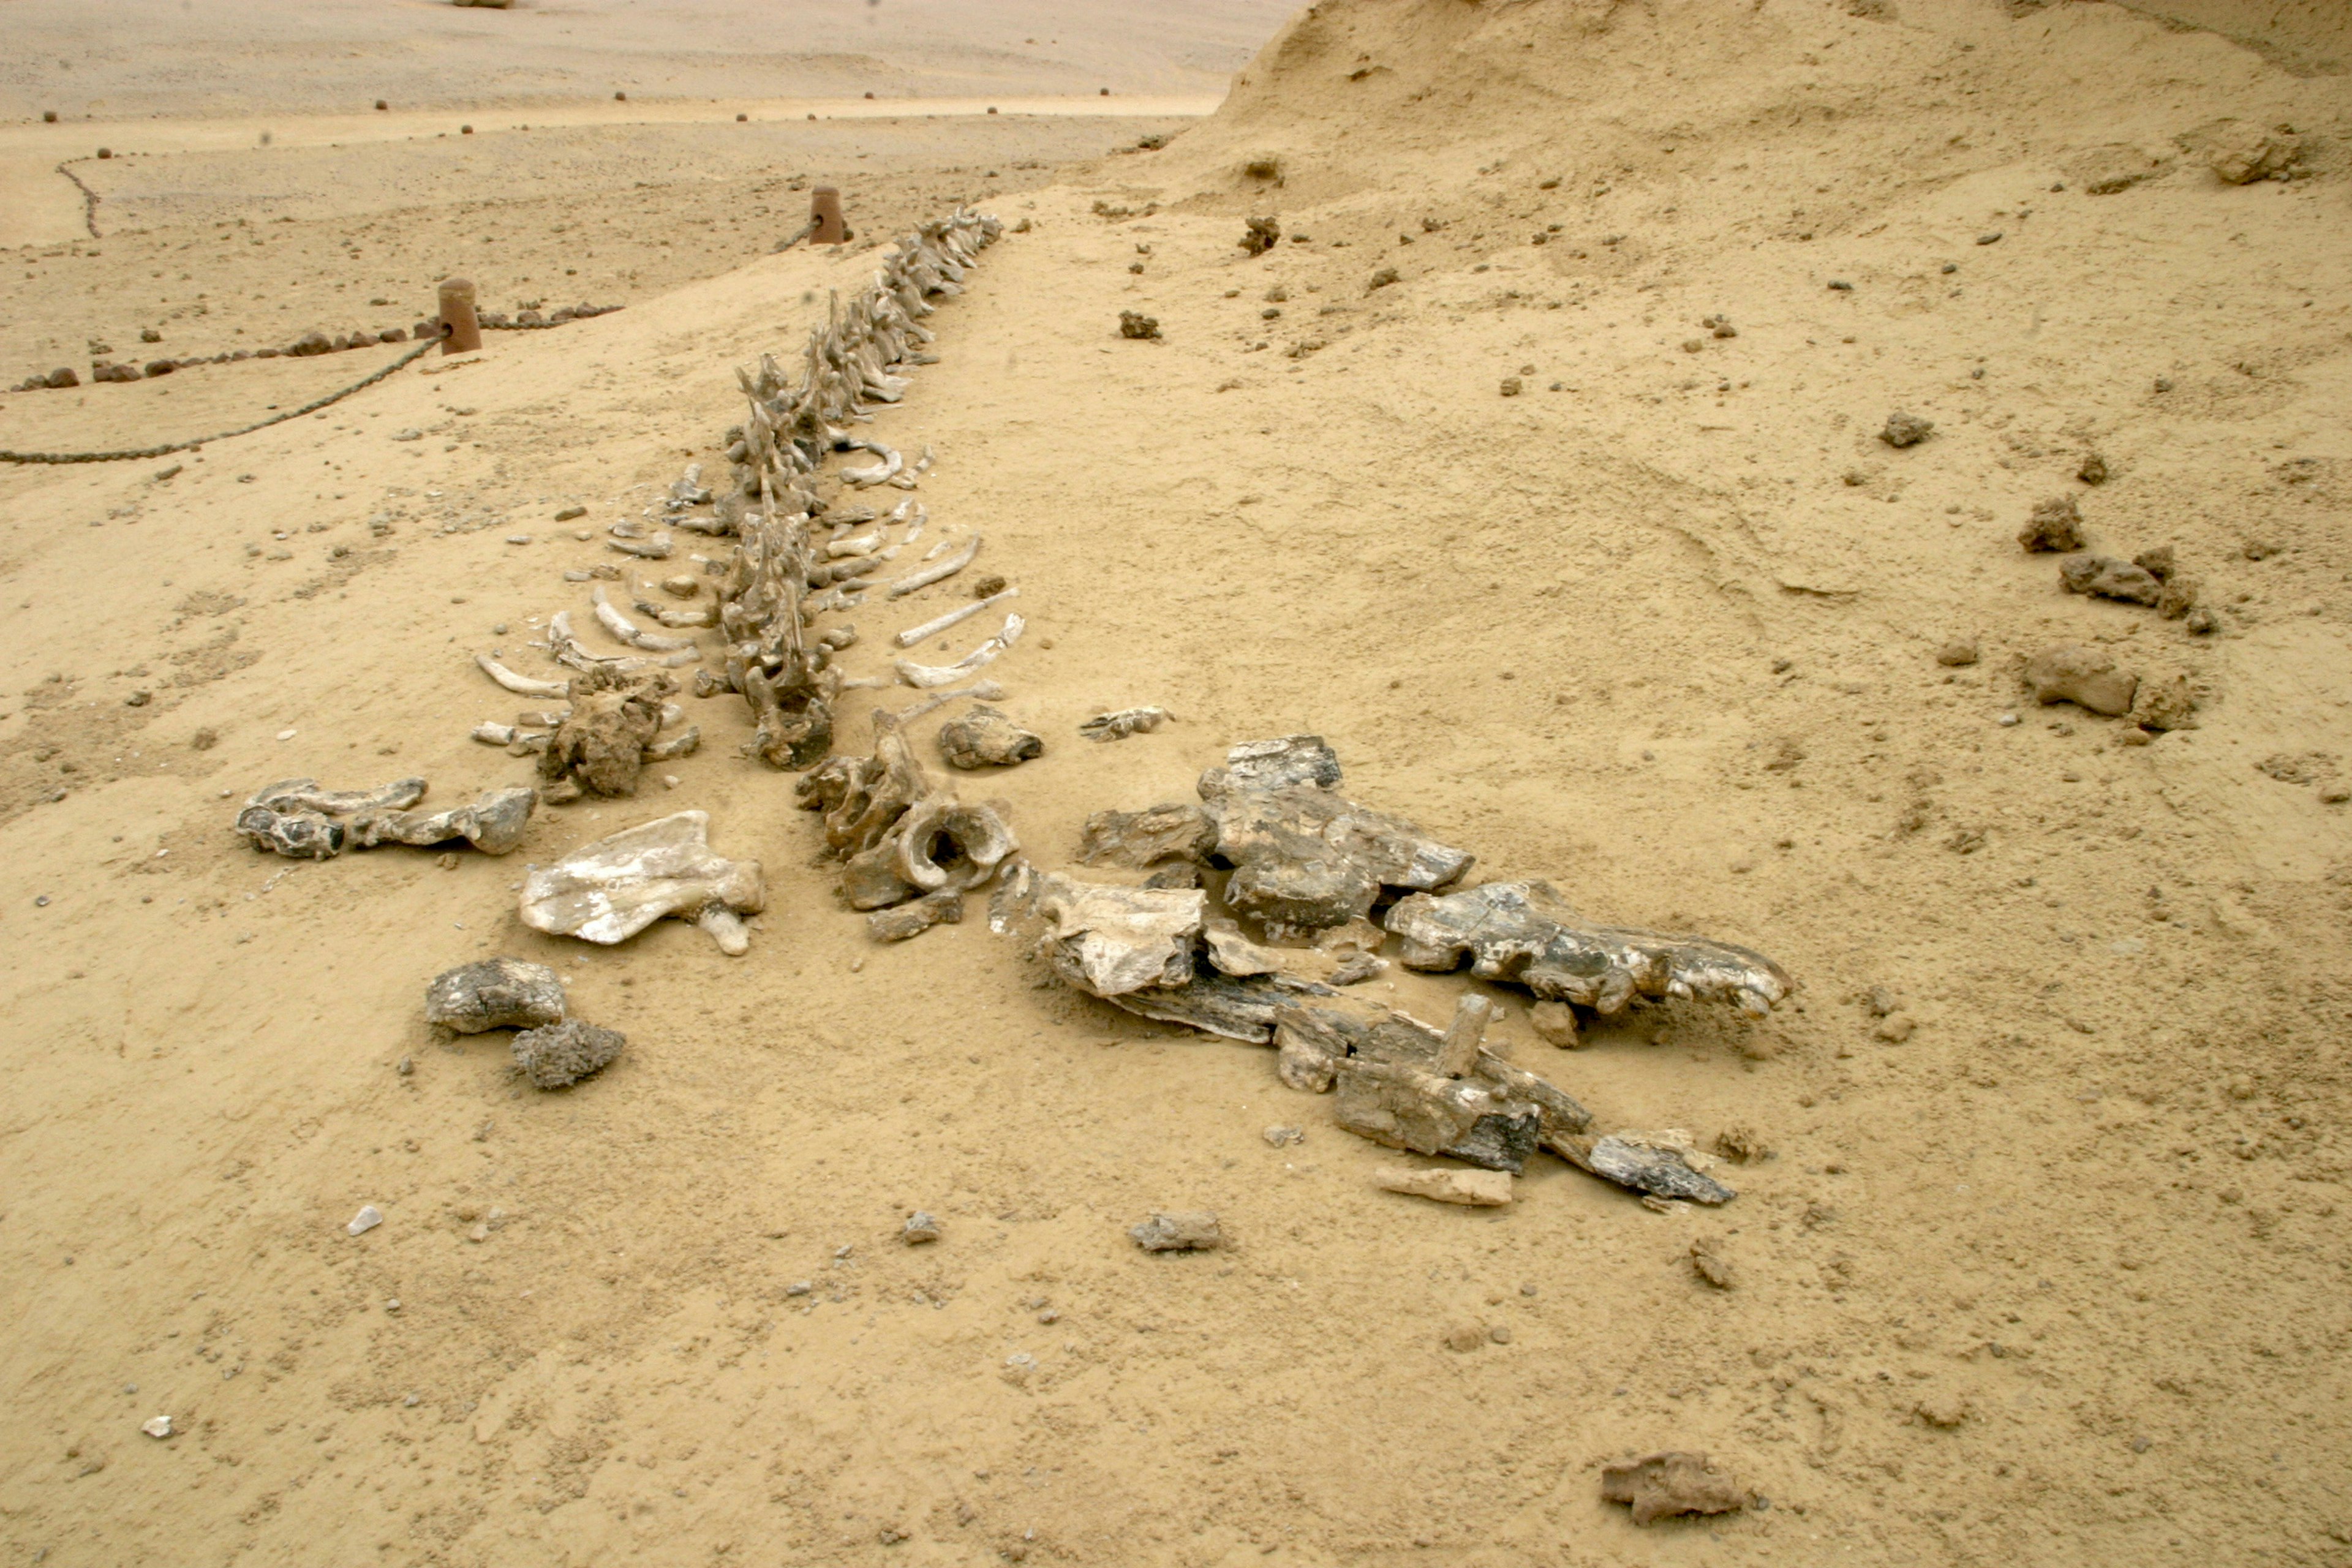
x=367 y=1219
x=499 y=630
x=411 y=1402
x=480 y=1233
x=2006 y=720
x=286 y=734
x=159 y=1427
x=669 y=781
x=518 y=538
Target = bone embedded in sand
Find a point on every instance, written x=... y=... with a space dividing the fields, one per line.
x=940 y=675
x=930 y=574
x=954 y=617
x=495 y=994
x=622 y=627
x=609 y=890
x=1479 y=1189
x=520 y=685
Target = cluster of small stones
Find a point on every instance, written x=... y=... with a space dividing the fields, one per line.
x=308 y=346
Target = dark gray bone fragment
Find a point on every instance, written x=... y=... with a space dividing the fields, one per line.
x=298 y=835
x=1524 y=934
x=912 y=920
x=562 y=1053
x=495 y=994
x=985 y=737
x=1277 y=763
x=1305 y=856
x=1177 y=830
x=1238 y=1008
x=1633 y=1160
x=1405 y=1107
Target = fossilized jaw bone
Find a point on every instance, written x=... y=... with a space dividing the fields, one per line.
x=927 y=675
x=930 y=574
x=298 y=818
x=1524 y=934
x=609 y=891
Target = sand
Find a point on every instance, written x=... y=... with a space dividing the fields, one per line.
x=2056 y=1275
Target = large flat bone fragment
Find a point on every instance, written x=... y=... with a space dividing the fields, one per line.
x=1663 y=1164
x=1524 y=934
x=1306 y=856
x=1110 y=941
x=609 y=891
x=299 y=819
x=1176 y=830
x=1238 y=1007
x=495 y=994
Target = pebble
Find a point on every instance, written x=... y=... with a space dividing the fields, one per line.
x=798 y=1288
x=286 y=734
x=480 y=1233
x=1279 y=1136
x=366 y=1220
x=518 y=538
x=392 y=1305
x=2006 y=720
x=411 y=1402
x=158 y=1427
x=919 y=1228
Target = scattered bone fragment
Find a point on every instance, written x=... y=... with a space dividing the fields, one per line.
x=888 y=469
x=1478 y=1189
x=682 y=586
x=2087 y=677
x=609 y=890
x=985 y=737
x=1178 y=1230
x=1178 y=830
x=299 y=819
x=919 y=1229
x=560 y=1055
x=495 y=994
x=1234 y=1007
x=1555 y=1022
x=1905 y=429
x=2105 y=577
x=1107 y=940
x=1304 y=855
x=1125 y=721
x=1282 y=1136
x=658 y=548
x=901 y=922
x=929 y=675
x=627 y=631
x=1525 y=934
x=522 y=686
x=1707 y=1261
x=1403 y=1106
x=2055 y=527
x=157 y=1426
x=938 y=623
x=948 y=567
x=1136 y=324
x=1663 y=1164
x=1663 y=1485
x=568 y=649
x=602 y=744
x=367 y=1219
x=1277 y=763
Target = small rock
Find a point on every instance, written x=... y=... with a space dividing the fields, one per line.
x=157 y=1426
x=1905 y=429
x=1478 y=1189
x=1180 y=1231
x=2083 y=676
x=2055 y=527
x=1992 y=238
x=1280 y=1137
x=560 y=1055
x=2158 y=563
x=479 y=1233
x=566 y=515
x=1500 y=1333
x=1881 y=1001
x=1945 y=1410
x=2093 y=470
x=2164 y=704
x=495 y=994
x=1742 y=1145
x=919 y=1228
x=1510 y=387
x=1136 y=324
x=2105 y=577
x=1956 y=655
x=410 y=433
x=1708 y=1263
x=366 y=1220
x=1465 y=1338
x=1895 y=1027
x=139 y=699
x=1660 y=1486
x=1555 y=1022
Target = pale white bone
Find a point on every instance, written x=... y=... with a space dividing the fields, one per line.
x=934 y=626
x=928 y=675
x=887 y=469
x=521 y=685
x=621 y=627
x=930 y=574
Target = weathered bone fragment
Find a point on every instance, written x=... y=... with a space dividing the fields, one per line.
x=1277 y=763
x=1177 y=830
x=947 y=843
x=1307 y=856
x=601 y=743
x=522 y=686
x=625 y=630
x=1125 y=721
x=1662 y=1486
x=934 y=626
x=985 y=737
x=568 y=649
x=927 y=675
x=1109 y=940
x=918 y=916
x=609 y=891
x=898 y=836
x=299 y=819
x=1178 y=1231
x=658 y=548
x=560 y=1055
x=915 y=471
x=1423 y=1097
x=495 y=994
x=1663 y=1164
x=945 y=569
x=1525 y=934
x=1480 y=1189
x=677 y=746
x=1237 y=1007
x=887 y=469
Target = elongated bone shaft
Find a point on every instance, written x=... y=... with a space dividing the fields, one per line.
x=889 y=467
x=521 y=685
x=929 y=675
x=930 y=574
x=621 y=627
x=979 y=690
x=933 y=627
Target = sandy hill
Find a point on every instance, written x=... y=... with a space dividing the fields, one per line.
x=1540 y=466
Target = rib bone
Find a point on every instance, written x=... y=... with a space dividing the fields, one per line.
x=929 y=675
x=930 y=574
x=934 y=626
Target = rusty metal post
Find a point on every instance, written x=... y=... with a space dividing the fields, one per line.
x=461 y=330
x=825 y=211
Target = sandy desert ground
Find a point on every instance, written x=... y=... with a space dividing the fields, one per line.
x=2039 y=1255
